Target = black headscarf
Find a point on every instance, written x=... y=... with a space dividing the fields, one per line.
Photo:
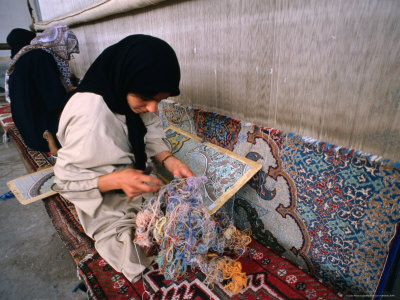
x=18 y=38
x=139 y=64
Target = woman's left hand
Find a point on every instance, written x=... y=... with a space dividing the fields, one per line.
x=174 y=165
x=177 y=168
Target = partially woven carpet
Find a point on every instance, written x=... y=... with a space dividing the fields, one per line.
x=269 y=275
x=333 y=211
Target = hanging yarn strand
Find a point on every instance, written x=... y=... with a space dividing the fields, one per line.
x=188 y=237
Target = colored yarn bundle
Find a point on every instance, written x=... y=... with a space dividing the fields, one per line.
x=188 y=237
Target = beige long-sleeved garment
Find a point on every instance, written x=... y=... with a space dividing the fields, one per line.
x=94 y=142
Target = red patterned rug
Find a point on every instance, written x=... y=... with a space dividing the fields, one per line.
x=32 y=159
x=5 y=109
x=269 y=275
x=6 y=120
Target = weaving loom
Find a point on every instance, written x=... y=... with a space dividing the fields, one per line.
x=268 y=274
x=323 y=69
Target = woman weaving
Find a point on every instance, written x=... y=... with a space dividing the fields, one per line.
x=39 y=80
x=107 y=130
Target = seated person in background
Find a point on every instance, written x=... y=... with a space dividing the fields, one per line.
x=16 y=39
x=107 y=130
x=39 y=80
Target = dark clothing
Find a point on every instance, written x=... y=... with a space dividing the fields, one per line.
x=19 y=38
x=137 y=64
x=38 y=97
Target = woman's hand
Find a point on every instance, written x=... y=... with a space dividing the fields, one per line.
x=133 y=182
x=177 y=168
x=174 y=165
x=71 y=88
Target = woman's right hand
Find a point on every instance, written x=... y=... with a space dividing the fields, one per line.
x=133 y=182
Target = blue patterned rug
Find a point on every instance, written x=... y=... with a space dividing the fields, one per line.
x=330 y=210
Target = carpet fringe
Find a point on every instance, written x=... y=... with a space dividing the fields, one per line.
x=86 y=258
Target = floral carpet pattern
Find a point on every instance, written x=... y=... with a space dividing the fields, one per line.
x=212 y=162
x=350 y=206
x=330 y=210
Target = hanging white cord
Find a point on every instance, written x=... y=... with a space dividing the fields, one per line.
x=142 y=275
x=190 y=123
x=6 y=139
x=233 y=205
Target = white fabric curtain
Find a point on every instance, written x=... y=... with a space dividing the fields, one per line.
x=81 y=11
x=50 y=9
